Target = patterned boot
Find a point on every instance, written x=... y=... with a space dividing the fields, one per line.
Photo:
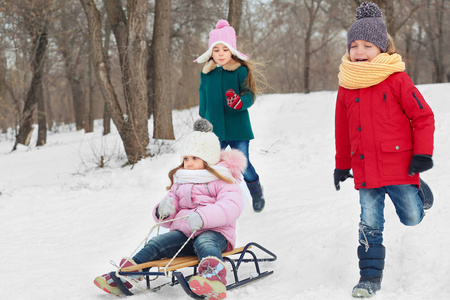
x=107 y=284
x=211 y=279
x=256 y=190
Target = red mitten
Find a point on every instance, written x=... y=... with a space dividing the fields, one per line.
x=233 y=99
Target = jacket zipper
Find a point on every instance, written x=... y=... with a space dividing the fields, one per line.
x=207 y=187
x=418 y=102
x=387 y=106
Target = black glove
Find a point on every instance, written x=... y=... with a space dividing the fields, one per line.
x=420 y=163
x=341 y=175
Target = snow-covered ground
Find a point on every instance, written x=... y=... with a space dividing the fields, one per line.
x=62 y=219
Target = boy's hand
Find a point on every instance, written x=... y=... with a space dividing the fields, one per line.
x=420 y=163
x=233 y=99
x=341 y=175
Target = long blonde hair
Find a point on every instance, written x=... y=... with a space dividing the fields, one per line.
x=207 y=168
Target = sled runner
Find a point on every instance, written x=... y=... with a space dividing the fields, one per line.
x=168 y=266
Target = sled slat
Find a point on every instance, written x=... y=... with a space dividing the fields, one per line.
x=177 y=263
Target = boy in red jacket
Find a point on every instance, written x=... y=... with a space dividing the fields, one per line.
x=384 y=131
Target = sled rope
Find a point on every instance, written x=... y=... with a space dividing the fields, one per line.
x=151 y=231
x=176 y=254
x=158 y=225
x=130 y=279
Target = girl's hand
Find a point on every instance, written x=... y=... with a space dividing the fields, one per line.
x=233 y=99
x=195 y=221
x=166 y=207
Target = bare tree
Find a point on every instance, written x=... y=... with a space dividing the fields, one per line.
x=3 y=89
x=132 y=126
x=313 y=8
x=235 y=14
x=433 y=24
x=106 y=108
x=162 y=106
x=71 y=45
x=88 y=109
x=36 y=19
x=309 y=22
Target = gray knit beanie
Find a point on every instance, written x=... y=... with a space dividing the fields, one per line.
x=369 y=27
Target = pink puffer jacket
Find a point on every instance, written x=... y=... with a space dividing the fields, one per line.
x=219 y=203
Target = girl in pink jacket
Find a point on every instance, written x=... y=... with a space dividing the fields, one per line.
x=205 y=200
x=384 y=133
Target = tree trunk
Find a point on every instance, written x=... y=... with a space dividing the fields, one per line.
x=119 y=25
x=89 y=119
x=106 y=108
x=307 y=64
x=42 y=117
x=390 y=18
x=186 y=93
x=3 y=92
x=162 y=112
x=70 y=67
x=76 y=88
x=235 y=14
x=435 y=36
x=132 y=47
x=78 y=99
x=440 y=41
x=137 y=60
x=132 y=130
x=312 y=9
x=48 y=108
x=150 y=81
x=26 y=123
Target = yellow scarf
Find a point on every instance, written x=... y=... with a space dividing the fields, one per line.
x=358 y=75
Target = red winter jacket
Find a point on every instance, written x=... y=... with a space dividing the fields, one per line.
x=378 y=129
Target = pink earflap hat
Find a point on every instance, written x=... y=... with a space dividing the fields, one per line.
x=223 y=34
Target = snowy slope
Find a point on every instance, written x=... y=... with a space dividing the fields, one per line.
x=62 y=219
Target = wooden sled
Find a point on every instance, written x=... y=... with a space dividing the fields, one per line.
x=245 y=256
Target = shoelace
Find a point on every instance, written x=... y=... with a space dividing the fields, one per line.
x=365 y=242
x=208 y=269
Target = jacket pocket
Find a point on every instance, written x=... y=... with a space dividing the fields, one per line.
x=396 y=156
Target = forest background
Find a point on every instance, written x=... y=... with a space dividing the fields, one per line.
x=130 y=61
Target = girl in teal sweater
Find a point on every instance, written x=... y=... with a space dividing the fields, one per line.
x=227 y=90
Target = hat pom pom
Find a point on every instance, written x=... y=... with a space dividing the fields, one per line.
x=222 y=23
x=368 y=10
x=203 y=125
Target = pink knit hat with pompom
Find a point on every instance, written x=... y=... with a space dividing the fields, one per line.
x=223 y=34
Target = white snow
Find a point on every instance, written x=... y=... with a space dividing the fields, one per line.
x=62 y=219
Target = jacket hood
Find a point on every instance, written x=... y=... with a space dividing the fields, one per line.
x=234 y=160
